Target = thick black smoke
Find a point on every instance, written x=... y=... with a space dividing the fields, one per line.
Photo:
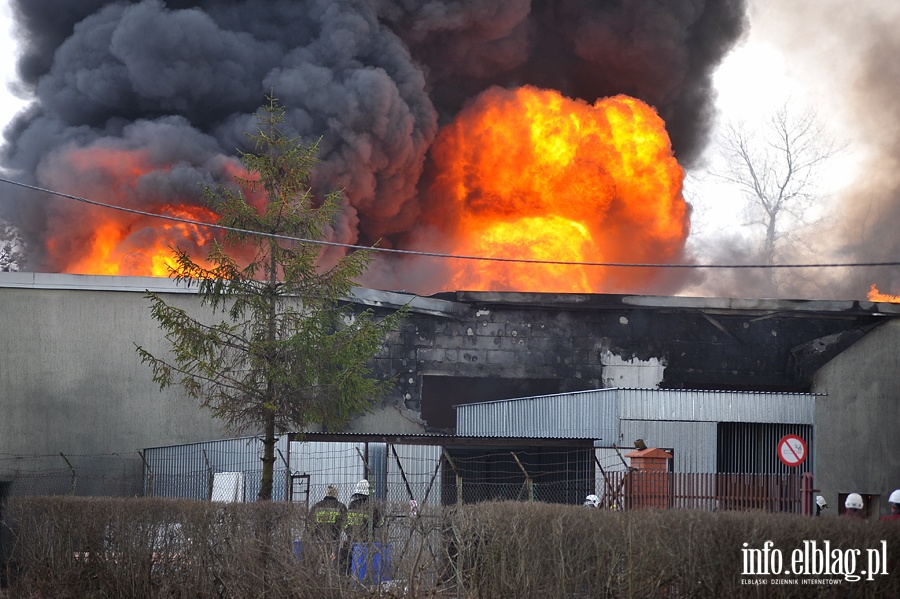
x=180 y=81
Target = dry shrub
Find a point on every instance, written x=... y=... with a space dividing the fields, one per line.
x=537 y=550
x=84 y=547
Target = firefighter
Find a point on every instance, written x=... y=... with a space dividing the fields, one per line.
x=592 y=501
x=853 y=506
x=358 y=511
x=357 y=528
x=821 y=504
x=894 y=501
x=327 y=519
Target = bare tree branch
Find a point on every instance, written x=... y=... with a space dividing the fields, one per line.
x=776 y=168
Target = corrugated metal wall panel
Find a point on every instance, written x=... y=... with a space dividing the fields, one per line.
x=579 y=415
x=186 y=471
x=328 y=463
x=592 y=414
x=716 y=406
x=694 y=443
x=339 y=464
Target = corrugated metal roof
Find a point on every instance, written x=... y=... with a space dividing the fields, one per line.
x=358 y=295
x=42 y=280
x=442 y=439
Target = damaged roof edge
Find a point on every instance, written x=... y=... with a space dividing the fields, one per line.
x=709 y=304
x=133 y=284
x=457 y=304
x=416 y=303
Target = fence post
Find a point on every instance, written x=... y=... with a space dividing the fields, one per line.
x=72 y=468
x=459 y=481
x=459 y=550
x=209 y=475
x=529 y=484
x=149 y=474
x=806 y=494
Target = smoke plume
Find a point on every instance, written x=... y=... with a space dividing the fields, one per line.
x=174 y=85
x=844 y=56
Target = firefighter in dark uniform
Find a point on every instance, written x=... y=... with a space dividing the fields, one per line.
x=358 y=525
x=327 y=519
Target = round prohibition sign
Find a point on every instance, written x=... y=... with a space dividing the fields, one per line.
x=792 y=450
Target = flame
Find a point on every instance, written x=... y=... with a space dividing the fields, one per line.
x=140 y=246
x=876 y=296
x=561 y=240
x=108 y=242
x=528 y=173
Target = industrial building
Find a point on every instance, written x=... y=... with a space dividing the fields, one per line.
x=79 y=409
x=556 y=448
x=705 y=431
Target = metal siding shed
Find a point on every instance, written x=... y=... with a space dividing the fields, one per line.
x=186 y=471
x=422 y=467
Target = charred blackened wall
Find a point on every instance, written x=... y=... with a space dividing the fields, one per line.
x=514 y=345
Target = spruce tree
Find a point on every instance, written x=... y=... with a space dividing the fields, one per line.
x=289 y=350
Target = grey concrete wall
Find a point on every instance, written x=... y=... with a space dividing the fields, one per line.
x=858 y=421
x=71 y=381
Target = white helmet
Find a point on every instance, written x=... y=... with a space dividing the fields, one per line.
x=895 y=497
x=853 y=502
x=591 y=501
x=362 y=487
x=820 y=501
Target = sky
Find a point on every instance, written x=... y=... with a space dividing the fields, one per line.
x=802 y=53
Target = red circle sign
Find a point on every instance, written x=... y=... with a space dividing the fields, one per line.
x=792 y=450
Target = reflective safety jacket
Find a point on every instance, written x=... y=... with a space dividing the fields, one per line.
x=358 y=516
x=328 y=516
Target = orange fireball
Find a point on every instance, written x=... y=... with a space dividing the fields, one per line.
x=528 y=173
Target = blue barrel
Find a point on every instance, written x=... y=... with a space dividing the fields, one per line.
x=374 y=570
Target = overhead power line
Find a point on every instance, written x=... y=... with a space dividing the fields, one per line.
x=438 y=254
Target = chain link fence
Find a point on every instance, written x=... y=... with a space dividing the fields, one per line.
x=112 y=475
x=399 y=475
